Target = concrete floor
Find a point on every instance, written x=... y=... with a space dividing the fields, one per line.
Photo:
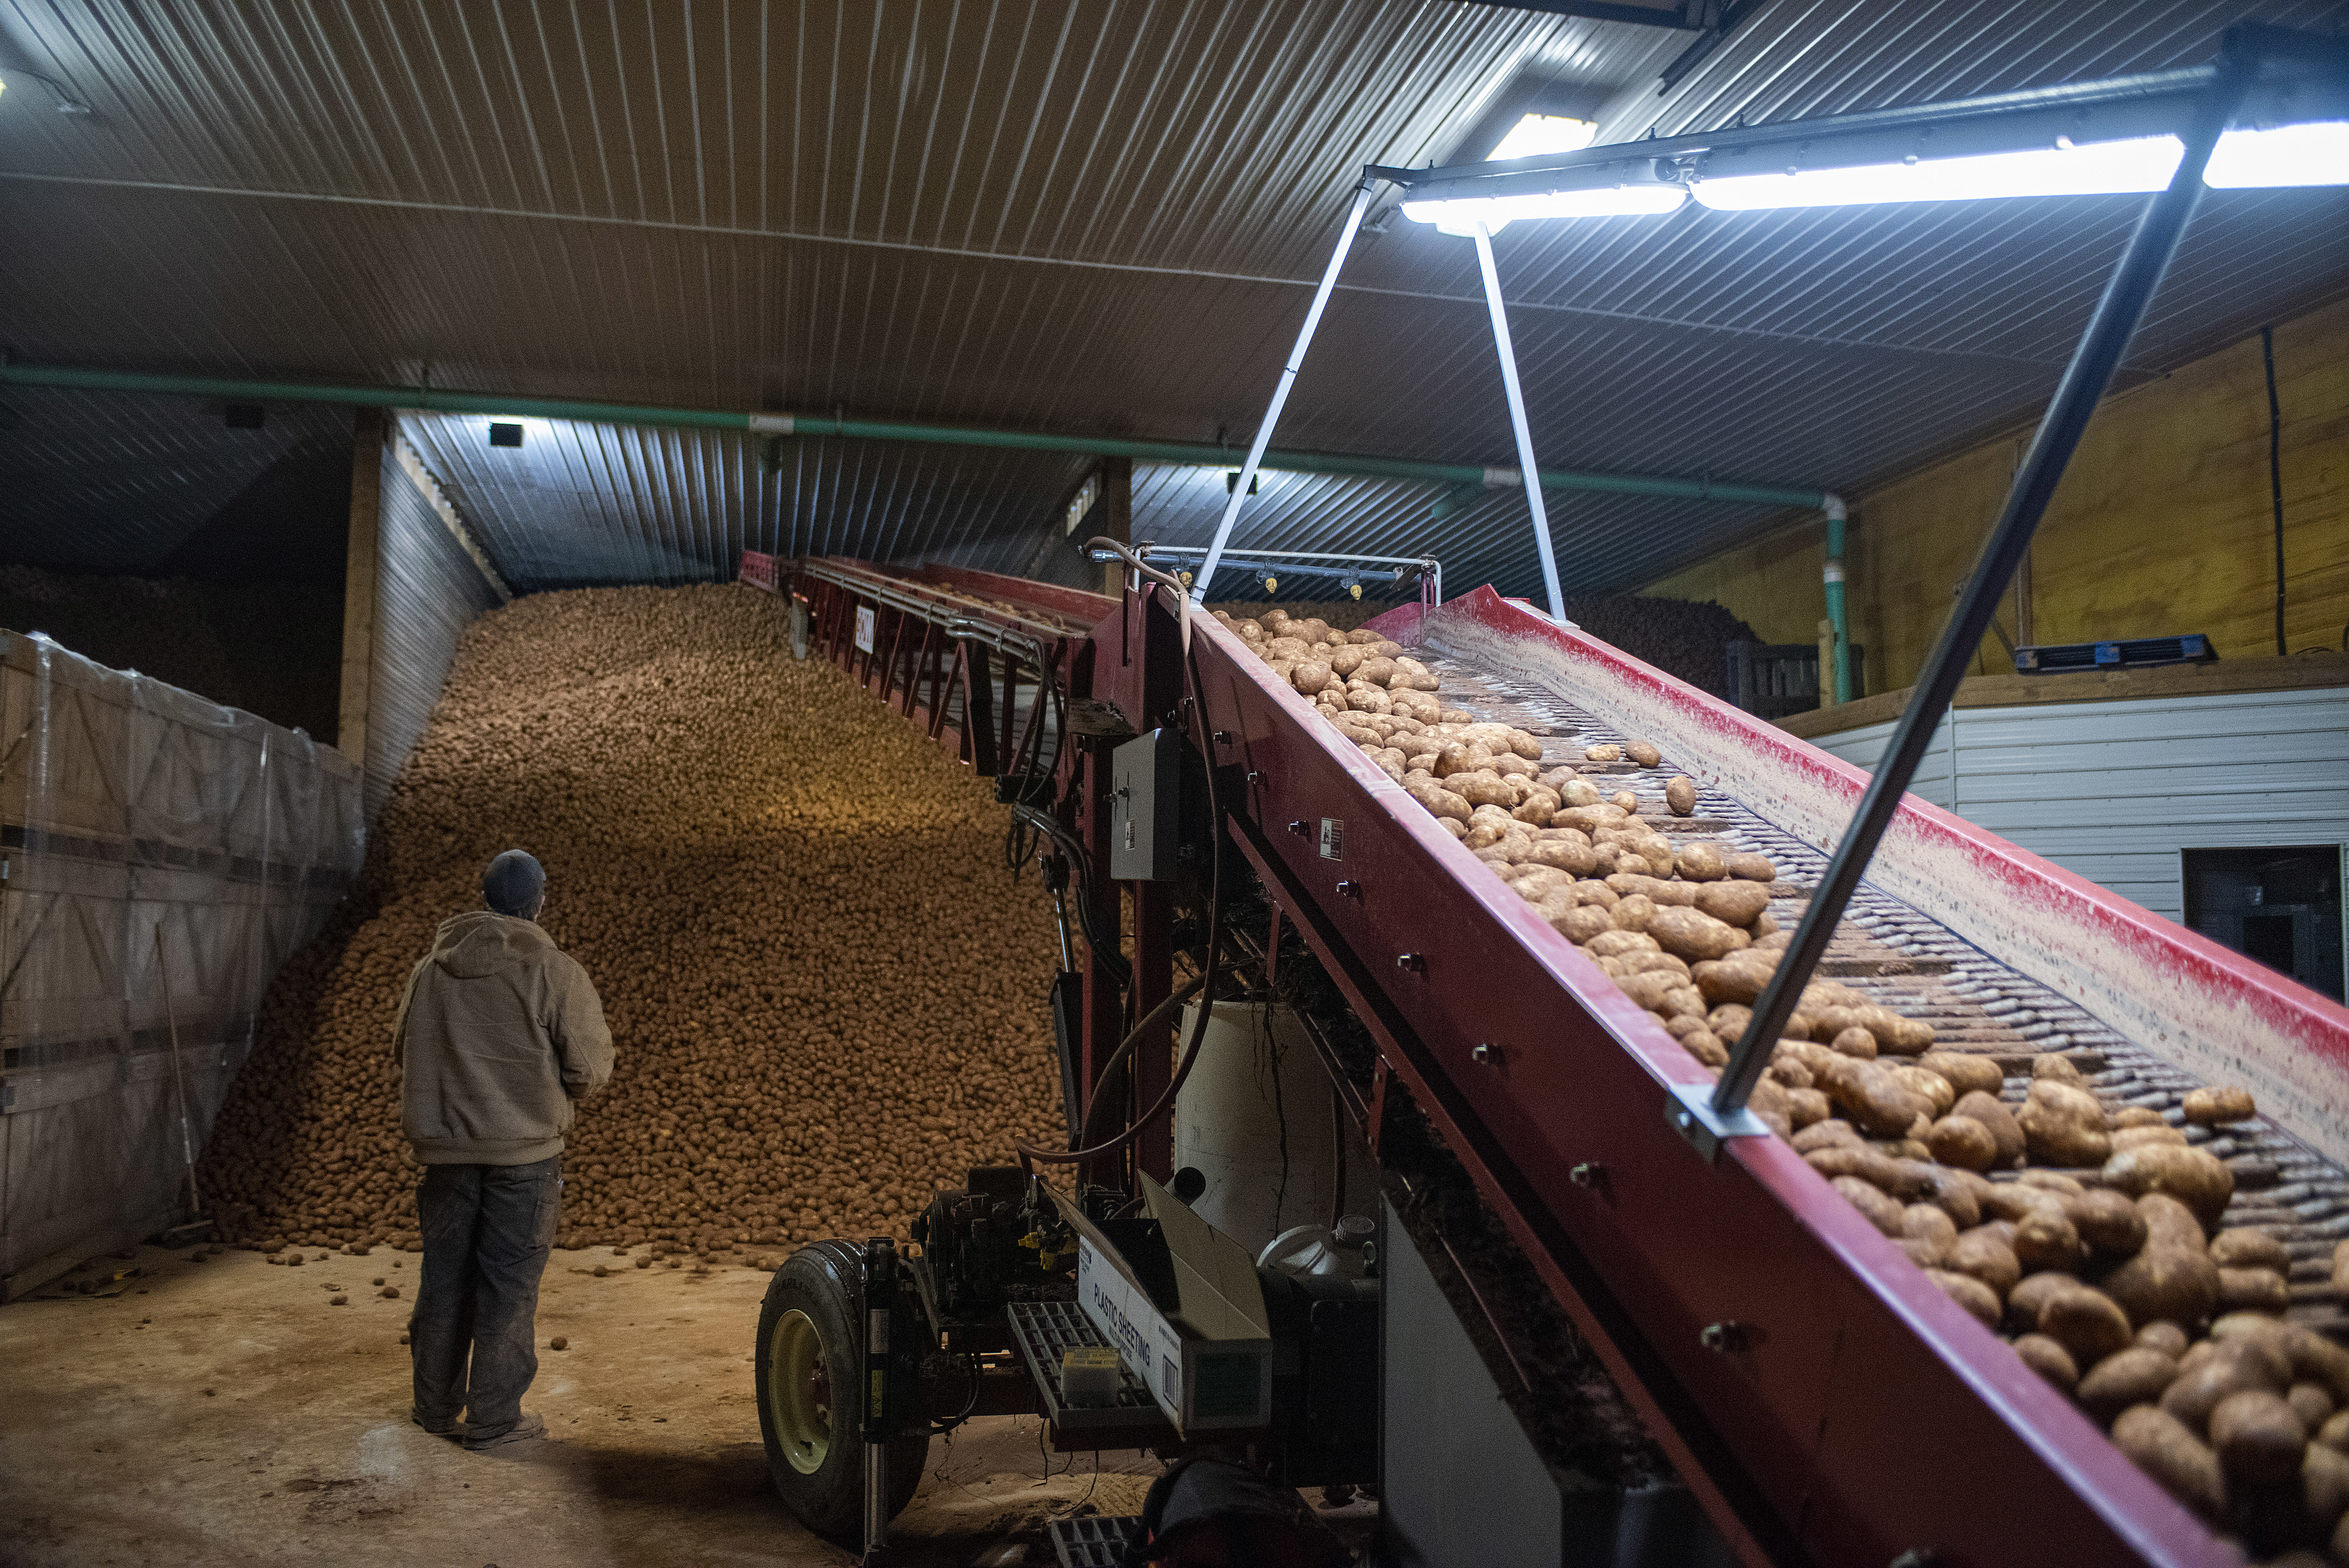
x=222 y=1411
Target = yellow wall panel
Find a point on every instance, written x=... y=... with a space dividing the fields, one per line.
x=2162 y=524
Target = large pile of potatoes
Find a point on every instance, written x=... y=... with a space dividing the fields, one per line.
x=2088 y=1237
x=827 y=994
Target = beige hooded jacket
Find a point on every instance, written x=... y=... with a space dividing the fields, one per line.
x=500 y=1030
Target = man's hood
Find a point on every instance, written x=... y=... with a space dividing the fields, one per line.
x=482 y=942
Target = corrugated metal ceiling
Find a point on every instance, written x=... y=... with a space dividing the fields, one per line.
x=97 y=483
x=1068 y=216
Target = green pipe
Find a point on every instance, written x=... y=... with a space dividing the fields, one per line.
x=1185 y=452
x=1836 y=612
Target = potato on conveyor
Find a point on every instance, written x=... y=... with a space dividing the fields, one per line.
x=2063 y=1125
x=2048 y=1359
x=2253 y=1290
x=1694 y=934
x=2167 y=1449
x=2216 y=1107
x=2258 y=1437
x=1985 y=1254
x=2196 y=1178
x=1968 y=1292
x=1963 y=1141
x=1966 y=1074
x=2085 y=1322
x=2136 y=1375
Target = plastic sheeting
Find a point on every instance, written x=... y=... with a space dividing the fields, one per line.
x=161 y=855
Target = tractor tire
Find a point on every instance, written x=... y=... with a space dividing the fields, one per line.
x=809 y=1345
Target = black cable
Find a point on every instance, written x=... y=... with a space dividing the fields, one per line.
x=1106 y=949
x=1156 y=1016
x=951 y=1422
x=1204 y=984
x=1337 y=1161
x=2275 y=471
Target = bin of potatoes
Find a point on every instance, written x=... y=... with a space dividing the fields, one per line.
x=826 y=991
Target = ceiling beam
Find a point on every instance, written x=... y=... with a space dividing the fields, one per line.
x=1685 y=487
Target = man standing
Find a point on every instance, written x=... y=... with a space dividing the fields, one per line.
x=498 y=1035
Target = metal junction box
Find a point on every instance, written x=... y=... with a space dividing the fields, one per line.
x=1143 y=781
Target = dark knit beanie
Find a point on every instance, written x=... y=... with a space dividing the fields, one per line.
x=512 y=883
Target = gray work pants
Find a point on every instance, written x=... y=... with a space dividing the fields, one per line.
x=487 y=1232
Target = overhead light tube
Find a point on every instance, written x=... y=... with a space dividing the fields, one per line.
x=1464 y=215
x=2138 y=165
x=2315 y=154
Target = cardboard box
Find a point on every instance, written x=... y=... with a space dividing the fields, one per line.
x=1206 y=1355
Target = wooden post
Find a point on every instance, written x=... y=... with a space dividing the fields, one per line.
x=1116 y=506
x=1826 y=662
x=367 y=429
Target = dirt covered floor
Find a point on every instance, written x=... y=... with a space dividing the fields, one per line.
x=224 y=1411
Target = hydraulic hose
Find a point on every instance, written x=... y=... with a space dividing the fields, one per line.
x=1205 y=983
x=1153 y=1019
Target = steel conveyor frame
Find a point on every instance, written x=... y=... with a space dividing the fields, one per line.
x=1851 y=1412
x=1844 y=1411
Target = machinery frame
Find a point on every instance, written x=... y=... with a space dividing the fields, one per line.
x=1809 y=1383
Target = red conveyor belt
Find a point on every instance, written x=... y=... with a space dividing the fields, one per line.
x=1860 y=1414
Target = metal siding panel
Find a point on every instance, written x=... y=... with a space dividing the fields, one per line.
x=1862 y=746
x=2080 y=784
x=2199 y=718
x=2283 y=769
x=426 y=589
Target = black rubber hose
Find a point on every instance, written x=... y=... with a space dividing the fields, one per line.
x=1205 y=982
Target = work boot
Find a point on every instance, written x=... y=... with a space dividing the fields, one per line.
x=522 y=1431
x=439 y=1426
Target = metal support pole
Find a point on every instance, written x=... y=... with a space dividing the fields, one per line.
x=880 y=1296
x=1280 y=393
x=1837 y=611
x=1517 y=426
x=2126 y=296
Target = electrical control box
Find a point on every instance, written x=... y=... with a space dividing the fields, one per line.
x=1145 y=783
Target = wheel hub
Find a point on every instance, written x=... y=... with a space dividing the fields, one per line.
x=799 y=1392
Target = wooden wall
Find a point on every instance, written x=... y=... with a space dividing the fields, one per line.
x=2163 y=524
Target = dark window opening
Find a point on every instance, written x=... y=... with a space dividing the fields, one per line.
x=505 y=435
x=2281 y=905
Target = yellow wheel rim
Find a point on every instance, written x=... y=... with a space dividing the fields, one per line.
x=799 y=1392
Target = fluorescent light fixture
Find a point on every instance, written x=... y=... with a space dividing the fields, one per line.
x=2100 y=168
x=2316 y=153
x=2311 y=153
x=1461 y=217
x=1536 y=135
